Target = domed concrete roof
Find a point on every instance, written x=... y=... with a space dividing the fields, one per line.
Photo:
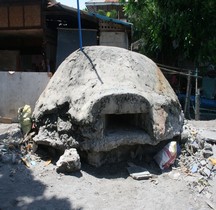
x=102 y=92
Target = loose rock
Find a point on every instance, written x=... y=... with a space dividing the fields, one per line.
x=69 y=161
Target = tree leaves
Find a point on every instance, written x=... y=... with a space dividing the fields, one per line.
x=190 y=23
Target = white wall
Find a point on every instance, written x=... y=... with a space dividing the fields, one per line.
x=117 y=39
x=18 y=89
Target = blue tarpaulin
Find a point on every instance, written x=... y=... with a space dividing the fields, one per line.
x=204 y=102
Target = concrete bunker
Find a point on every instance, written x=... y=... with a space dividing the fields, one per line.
x=102 y=99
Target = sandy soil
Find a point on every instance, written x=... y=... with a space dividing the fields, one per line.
x=107 y=187
x=208 y=125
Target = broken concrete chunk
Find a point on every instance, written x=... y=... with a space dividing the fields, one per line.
x=138 y=172
x=209 y=165
x=203 y=162
x=64 y=125
x=207 y=146
x=207 y=172
x=207 y=153
x=200 y=141
x=48 y=137
x=185 y=134
x=69 y=161
x=214 y=150
x=69 y=141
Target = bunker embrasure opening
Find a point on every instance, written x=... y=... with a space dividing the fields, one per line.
x=123 y=122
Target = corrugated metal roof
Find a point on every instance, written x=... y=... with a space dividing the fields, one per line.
x=112 y=1
x=104 y=2
x=96 y=1
x=102 y=17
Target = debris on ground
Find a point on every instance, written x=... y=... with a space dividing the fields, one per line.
x=187 y=167
x=175 y=174
x=210 y=204
x=24 y=118
x=138 y=172
x=16 y=147
x=10 y=136
x=197 y=158
x=197 y=154
x=166 y=157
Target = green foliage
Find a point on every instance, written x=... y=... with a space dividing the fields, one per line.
x=110 y=14
x=101 y=12
x=174 y=28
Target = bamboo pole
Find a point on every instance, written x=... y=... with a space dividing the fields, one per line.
x=187 y=98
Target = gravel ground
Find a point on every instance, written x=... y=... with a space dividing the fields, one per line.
x=107 y=187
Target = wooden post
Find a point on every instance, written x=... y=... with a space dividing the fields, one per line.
x=197 y=98
x=198 y=105
x=187 y=98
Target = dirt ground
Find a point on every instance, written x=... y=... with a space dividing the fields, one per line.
x=40 y=187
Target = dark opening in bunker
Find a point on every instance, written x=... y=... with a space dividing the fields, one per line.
x=123 y=122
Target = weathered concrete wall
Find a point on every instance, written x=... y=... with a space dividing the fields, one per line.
x=18 y=89
x=117 y=39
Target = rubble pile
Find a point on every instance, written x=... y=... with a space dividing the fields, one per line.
x=15 y=147
x=9 y=143
x=199 y=152
x=9 y=153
